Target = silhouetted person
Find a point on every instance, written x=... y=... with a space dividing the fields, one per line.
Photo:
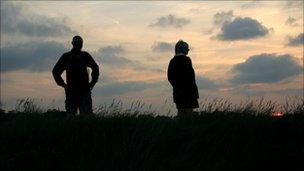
x=77 y=86
x=182 y=78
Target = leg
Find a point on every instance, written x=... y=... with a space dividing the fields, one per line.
x=85 y=104
x=70 y=104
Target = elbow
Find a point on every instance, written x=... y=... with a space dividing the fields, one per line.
x=54 y=72
x=95 y=73
x=96 y=70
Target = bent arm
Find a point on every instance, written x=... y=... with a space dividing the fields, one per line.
x=58 y=70
x=95 y=70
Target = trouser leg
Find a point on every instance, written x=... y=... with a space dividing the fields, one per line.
x=85 y=104
x=71 y=103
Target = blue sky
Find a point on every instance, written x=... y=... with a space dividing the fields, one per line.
x=238 y=49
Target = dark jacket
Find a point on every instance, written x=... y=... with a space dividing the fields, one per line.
x=75 y=64
x=182 y=78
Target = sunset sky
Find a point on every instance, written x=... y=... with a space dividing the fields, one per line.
x=238 y=49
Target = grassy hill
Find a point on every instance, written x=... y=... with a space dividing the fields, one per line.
x=208 y=140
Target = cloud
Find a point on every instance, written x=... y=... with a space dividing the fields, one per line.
x=170 y=21
x=249 y=91
x=15 y=19
x=34 y=56
x=291 y=22
x=111 y=55
x=119 y=88
x=221 y=17
x=293 y=91
x=242 y=29
x=204 y=83
x=296 y=41
x=163 y=47
x=250 y=4
x=294 y=5
x=265 y=68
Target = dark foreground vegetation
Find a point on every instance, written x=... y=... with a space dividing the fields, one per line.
x=214 y=139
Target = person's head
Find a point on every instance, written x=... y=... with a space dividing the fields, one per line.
x=181 y=47
x=77 y=42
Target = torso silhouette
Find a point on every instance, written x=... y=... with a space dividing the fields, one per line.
x=182 y=77
x=75 y=64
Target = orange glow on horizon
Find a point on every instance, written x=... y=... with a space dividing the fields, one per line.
x=277 y=114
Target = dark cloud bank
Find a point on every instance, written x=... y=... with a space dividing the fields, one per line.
x=163 y=47
x=42 y=55
x=170 y=21
x=119 y=88
x=292 y=22
x=266 y=68
x=221 y=17
x=34 y=56
x=296 y=41
x=111 y=55
x=15 y=19
x=242 y=29
x=237 y=28
x=204 y=83
x=260 y=93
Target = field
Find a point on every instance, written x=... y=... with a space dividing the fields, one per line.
x=250 y=136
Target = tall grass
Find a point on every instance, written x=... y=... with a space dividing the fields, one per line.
x=28 y=105
x=248 y=106
x=292 y=105
x=116 y=108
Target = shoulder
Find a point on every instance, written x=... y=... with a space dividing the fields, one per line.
x=173 y=61
x=65 y=55
x=188 y=59
x=184 y=59
x=85 y=53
